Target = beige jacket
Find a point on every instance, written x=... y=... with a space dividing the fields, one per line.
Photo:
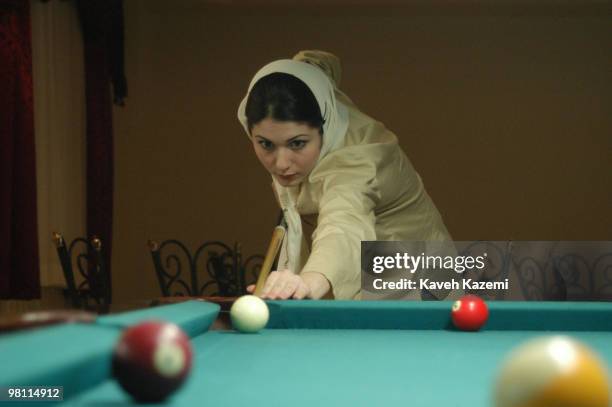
x=365 y=190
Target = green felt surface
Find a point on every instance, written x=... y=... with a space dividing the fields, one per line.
x=503 y=315
x=344 y=367
x=336 y=353
x=194 y=317
x=73 y=356
x=79 y=356
x=323 y=353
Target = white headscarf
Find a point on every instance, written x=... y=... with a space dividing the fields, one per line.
x=335 y=116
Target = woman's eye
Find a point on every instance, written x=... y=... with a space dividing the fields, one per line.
x=266 y=145
x=297 y=144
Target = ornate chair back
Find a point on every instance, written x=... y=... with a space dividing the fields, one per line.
x=213 y=269
x=90 y=287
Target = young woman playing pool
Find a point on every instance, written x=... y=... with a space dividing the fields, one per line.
x=339 y=176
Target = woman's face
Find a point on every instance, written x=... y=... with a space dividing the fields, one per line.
x=288 y=150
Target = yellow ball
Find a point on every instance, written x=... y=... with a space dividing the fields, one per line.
x=554 y=371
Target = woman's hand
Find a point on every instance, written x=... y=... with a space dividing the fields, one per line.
x=284 y=284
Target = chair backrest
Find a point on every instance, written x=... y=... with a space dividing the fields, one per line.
x=528 y=266
x=214 y=268
x=90 y=289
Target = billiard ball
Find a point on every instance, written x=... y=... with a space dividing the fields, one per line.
x=249 y=314
x=151 y=360
x=552 y=371
x=469 y=313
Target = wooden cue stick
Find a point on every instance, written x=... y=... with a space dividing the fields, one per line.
x=275 y=243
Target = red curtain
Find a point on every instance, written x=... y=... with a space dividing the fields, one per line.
x=19 y=267
x=102 y=26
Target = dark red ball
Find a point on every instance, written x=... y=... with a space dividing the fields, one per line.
x=152 y=360
x=470 y=313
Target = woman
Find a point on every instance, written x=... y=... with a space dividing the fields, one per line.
x=339 y=176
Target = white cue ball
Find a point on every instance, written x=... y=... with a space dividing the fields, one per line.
x=249 y=314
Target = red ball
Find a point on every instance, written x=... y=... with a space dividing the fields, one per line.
x=152 y=360
x=470 y=313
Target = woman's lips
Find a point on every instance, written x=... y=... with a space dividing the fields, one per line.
x=287 y=177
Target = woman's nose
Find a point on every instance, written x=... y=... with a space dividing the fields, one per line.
x=283 y=160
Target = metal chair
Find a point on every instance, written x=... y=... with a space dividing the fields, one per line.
x=214 y=269
x=90 y=289
x=530 y=264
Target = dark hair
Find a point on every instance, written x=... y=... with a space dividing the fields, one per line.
x=283 y=97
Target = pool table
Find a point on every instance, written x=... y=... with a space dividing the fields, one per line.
x=313 y=353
